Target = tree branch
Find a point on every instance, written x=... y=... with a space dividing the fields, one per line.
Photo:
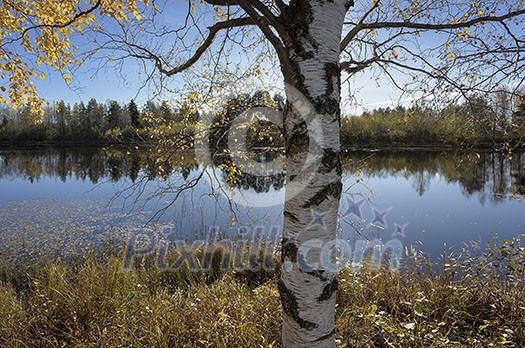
x=269 y=34
x=221 y=2
x=65 y=24
x=352 y=67
x=264 y=19
x=213 y=30
x=425 y=26
x=281 y=5
x=268 y=15
x=352 y=33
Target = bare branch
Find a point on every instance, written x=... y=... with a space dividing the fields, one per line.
x=281 y=5
x=221 y=2
x=213 y=30
x=268 y=15
x=269 y=34
x=444 y=26
x=352 y=67
x=257 y=14
x=352 y=33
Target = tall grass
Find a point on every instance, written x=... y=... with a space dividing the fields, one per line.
x=476 y=301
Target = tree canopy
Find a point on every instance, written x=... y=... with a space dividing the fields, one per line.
x=479 y=46
x=39 y=34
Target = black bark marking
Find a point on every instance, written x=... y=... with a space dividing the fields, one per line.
x=289 y=250
x=290 y=307
x=298 y=140
x=291 y=216
x=331 y=190
x=349 y=4
x=331 y=70
x=318 y=274
x=296 y=137
x=298 y=19
x=329 y=290
x=325 y=337
x=331 y=159
x=326 y=105
x=301 y=46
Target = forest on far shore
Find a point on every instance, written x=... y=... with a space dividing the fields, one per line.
x=479 y=121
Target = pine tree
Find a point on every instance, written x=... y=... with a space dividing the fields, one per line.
x=134 y=114
x=113 y=115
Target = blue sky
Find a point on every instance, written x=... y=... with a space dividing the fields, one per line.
x=106 y=84
x=103 y=84
x=366 y=89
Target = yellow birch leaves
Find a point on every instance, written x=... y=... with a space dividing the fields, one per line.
x=35 y=35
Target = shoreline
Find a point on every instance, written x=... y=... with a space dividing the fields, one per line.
x=344 y=147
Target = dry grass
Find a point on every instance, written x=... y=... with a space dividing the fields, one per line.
x=474 y=302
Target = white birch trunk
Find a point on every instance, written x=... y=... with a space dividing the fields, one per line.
x=308 y=293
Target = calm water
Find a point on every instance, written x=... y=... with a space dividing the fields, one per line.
x=55 y=199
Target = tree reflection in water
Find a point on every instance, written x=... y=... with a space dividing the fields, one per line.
x=489 y=175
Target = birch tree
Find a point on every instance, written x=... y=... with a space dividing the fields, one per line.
x=445 y=46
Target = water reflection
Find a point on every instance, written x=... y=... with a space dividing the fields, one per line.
x=489 y=176
x=439 y=198
x=87 y=163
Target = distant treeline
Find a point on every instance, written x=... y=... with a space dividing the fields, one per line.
x=480 y=121
x=93 y=122
x=484 y=121
x=114 y=122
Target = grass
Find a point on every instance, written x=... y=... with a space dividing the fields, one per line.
x=476 y=301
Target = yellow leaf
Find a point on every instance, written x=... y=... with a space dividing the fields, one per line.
x=137 y=15
x=395 y=53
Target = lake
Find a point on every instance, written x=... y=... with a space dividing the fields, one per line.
x=55 y=199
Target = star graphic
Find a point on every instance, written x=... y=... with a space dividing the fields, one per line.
x=354 y=208
x=318 y=219
x=400 y=230
x=379 y=217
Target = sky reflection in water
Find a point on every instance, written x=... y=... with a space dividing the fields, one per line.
x=435 y=200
